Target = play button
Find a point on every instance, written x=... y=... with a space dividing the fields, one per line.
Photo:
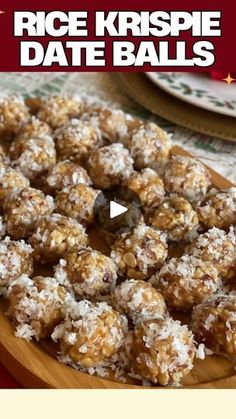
x=117 y=210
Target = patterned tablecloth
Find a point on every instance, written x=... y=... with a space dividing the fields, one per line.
x=220 y=155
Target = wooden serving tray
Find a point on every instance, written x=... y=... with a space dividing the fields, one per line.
x=34 y=365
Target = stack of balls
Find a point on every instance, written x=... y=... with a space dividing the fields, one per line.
x=112 y=313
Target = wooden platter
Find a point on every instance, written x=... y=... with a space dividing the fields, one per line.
x=34 y=365
x=140 y=88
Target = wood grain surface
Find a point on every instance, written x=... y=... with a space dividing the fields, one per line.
x=34 y=365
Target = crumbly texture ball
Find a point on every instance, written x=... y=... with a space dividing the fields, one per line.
x=2 y=227
x=13 y=113
x=77 y=202
x=10 y=180
x=213 y=323
x=33 y=157
x=218 y=247
x=188 y=177
x=15 y=260
x=148 y=186
x=36 y=305
x=64 y=174
x=218 y=209
x=76 y=140
x=177 y=218
x=110 y=165
x=23 y=209
x=90 y=335
x=138 y=300
x=140 y=252
x=150 y=147
x=116 y=125
x=88 y=271
x=4 y=159
x=162 y=351
x=34 y=128
x=58 y=110
x=54 y=236
x=186 y=282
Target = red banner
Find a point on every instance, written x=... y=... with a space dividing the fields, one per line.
x=144 y=36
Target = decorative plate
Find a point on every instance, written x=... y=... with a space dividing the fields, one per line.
x=199 y=90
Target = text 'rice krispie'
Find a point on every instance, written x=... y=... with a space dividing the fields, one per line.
x=162 y=351
x=176 y=217
x=186 y=281
x=109 y=166
x=36 y=305
x=138 y=300
x=88 y=271
x=187 y=177
x=54 y=236
x=214 y=324
x=140 y=252
x=90 y=335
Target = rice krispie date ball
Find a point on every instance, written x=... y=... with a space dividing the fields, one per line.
x=4 y=159
x=75 y=140
x=23 y=209
x=36 y=305
x=214 y=324
x=177 y=218
x=187 y=177
x=77 y=201
x=56 y=111
x=109 y=165
x=218 y=247
x=34 y=128
x=186 y=282
x=148 y=186
x=138 y=300
x=64 y=174
x=34 y=157
x=218 y=209
x=13 y=113
x=88 y=271
x=54 y=236
x=150 y=147
x=90 y=335
x=10 y=180
x=161 y=351
x=15 y=260
x=140 y=252
x=116 y=125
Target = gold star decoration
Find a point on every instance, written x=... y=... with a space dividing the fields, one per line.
x=229 y=79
